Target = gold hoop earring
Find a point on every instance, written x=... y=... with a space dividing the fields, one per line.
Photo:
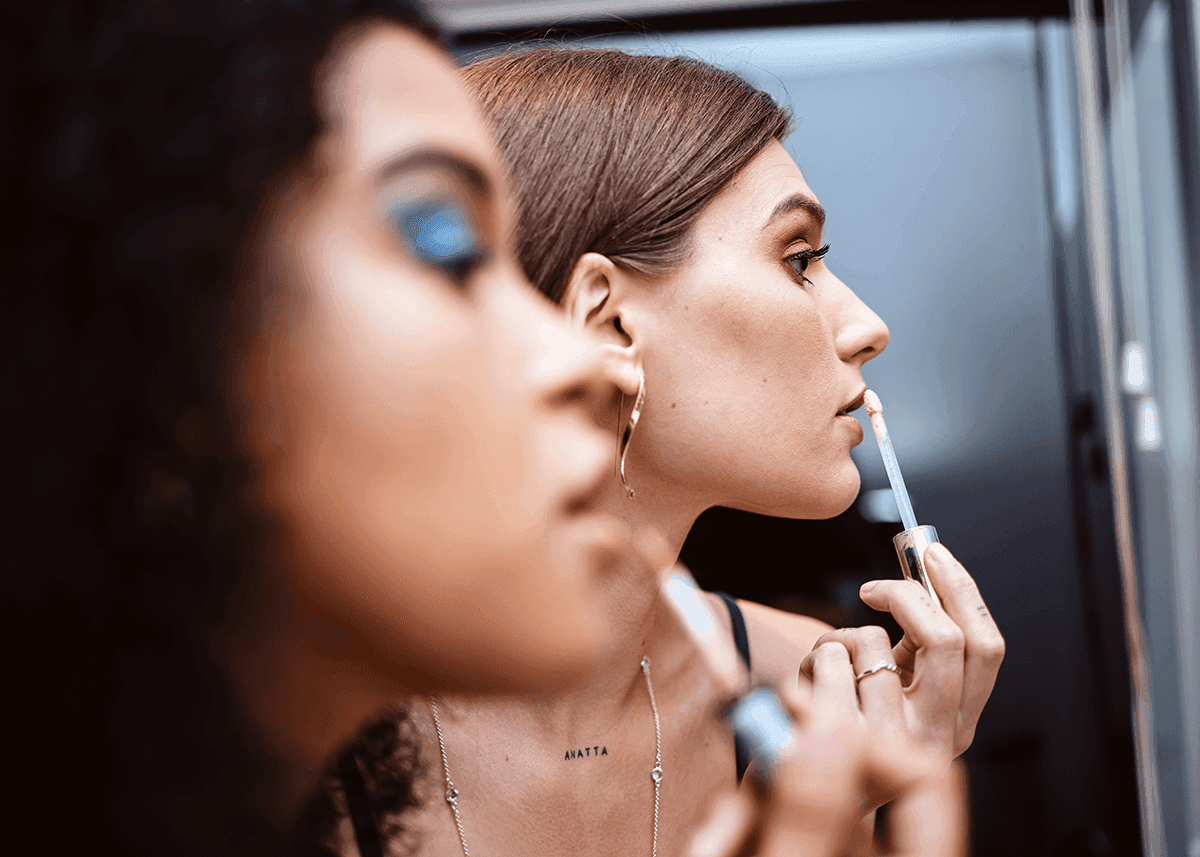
x=627 y=435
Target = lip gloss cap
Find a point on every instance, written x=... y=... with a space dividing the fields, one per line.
x=910 y=550
x=760 y=719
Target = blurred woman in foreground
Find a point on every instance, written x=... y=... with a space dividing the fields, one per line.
x=297 y=437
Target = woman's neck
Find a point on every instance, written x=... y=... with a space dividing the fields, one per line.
x=629 y=593
x=301 y=701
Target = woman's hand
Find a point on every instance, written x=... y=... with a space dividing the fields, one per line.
x=948 y=657
x=814 y=799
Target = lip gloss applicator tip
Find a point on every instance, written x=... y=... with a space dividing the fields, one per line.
x=912 y=542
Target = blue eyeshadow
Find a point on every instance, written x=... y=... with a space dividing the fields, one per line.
x=438 y=233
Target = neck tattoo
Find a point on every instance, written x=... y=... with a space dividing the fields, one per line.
x=585 y=751
x=656 y=773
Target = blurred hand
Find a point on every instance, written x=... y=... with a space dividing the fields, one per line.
x=948 y=657
x=927 y=821
x=815 y=797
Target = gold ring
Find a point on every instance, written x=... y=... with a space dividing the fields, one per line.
x=882 y=665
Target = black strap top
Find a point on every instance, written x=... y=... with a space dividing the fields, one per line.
x=742 y=640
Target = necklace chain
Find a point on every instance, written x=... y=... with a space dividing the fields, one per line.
x=451 y=791
x=656 y=773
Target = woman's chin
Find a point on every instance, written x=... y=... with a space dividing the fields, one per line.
x=839 y=492
x=810 y=501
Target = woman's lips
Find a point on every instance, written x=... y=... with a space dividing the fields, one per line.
x=855 y=403
x=853 y=425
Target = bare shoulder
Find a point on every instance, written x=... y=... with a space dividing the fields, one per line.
x=779 y=640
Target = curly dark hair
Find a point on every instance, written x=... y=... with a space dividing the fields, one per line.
x=137 y=138
x=371 y=782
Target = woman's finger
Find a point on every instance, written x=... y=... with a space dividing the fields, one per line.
x=833 y=696
x=815 y=796
x=726 y=828
x=983 y=643
x=880 y=694
x=798 y=699
x=931 y=821
x=937 y=663
x=919 y=616
x=905 y=653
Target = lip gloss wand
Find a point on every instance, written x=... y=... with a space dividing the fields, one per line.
x=911 y=543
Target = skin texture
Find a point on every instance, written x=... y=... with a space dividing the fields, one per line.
x=750 y=363
x=421 y=445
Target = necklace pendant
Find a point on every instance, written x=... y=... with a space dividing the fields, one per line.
x=656 y=775
x=451 y=794
x=646 y=663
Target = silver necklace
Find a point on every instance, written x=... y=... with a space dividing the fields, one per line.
x=656 y=773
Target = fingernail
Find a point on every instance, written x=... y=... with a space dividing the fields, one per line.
x=938 y=553
x=866 y=588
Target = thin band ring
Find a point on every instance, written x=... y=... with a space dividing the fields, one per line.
x=882 y=665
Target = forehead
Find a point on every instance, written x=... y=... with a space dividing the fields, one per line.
x=750 y=197
x=388 y=89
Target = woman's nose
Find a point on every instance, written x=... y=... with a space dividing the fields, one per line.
x=859 y=334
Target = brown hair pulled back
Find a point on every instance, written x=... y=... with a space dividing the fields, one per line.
x=616 y=153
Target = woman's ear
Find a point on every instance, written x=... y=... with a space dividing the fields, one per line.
x=594 y=301
x=591 y=300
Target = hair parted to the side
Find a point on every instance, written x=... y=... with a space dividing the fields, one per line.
x=616 y=153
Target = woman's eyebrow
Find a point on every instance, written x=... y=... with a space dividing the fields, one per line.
x=798 y=201
x=435 y=159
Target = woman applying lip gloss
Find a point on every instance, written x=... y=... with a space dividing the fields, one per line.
x=660 y=210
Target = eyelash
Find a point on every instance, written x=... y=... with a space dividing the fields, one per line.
x=803 y=258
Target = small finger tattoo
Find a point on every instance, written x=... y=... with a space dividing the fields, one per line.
x=982 y=610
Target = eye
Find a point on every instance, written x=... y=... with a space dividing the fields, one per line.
x=439 y=234
x=799 y=261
